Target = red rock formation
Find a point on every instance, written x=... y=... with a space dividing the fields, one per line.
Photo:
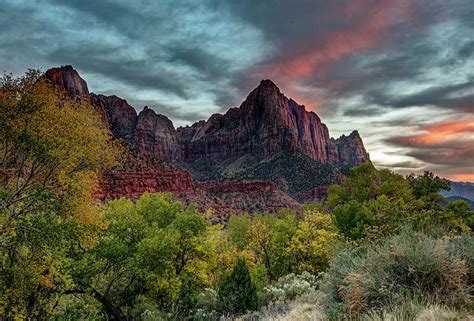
x=155 y=136
x=265 y=124
x=68 y=80
x=240 y=186
x=238 y=196
x=127 y=183
x=351 y=149
x=315 y=195
x=148 y=133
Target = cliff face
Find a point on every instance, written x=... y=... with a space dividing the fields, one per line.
x=265 y=124
x=268 y=145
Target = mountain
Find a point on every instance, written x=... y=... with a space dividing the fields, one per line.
x=269 y=137
x=462 y=189
x=260 y=156
x=265 y=124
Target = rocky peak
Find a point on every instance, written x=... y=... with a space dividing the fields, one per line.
x=351 y=149
x=155 y=135
x=67 y=79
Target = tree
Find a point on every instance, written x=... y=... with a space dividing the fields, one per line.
x=426 y=187
x=365 y=183
x=52 y=150
x=237 y=293
x=460 y=215
x=352 y=219
x=147 y=251
x=314 y=243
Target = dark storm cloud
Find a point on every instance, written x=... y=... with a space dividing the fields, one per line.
x=349 y=60
x=164 y=46
x=362 y=111
x=442 y=96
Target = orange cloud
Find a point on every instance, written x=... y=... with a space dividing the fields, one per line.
x=468 y=177
x=375 y=19
x=442 y=133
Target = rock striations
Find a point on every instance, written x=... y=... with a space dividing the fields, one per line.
x=269 y=136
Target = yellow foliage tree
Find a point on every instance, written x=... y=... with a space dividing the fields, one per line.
x=52 y=150
x=314 y=242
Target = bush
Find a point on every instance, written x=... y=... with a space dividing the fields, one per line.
x=408 y=265
x=291 y=286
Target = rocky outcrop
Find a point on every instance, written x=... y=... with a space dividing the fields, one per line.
x=68 y=80
x=148 y=132
x=265 y=124
x=350 y=149
x=120 y=117
x=125 y=183
x=315 y=195
x=240 y=196
x=155 y=135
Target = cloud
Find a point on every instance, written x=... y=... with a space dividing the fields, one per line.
x=447 y=147
x=395 y=64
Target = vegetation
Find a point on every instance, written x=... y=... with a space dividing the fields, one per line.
x=382 y=246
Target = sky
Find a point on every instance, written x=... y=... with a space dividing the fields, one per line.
x=400 y=72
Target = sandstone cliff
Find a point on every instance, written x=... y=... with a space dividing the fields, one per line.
x=265 y=124
x=252 y=156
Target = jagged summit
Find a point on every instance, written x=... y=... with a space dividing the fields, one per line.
x=67 y=79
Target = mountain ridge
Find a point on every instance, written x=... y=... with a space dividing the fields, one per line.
x=268 y=138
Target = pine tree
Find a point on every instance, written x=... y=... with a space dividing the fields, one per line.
x=237 y=293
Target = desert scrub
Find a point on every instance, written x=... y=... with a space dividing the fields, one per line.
x=411 y=264
x=415 y=310
x=291 y=286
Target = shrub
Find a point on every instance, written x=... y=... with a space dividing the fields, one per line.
x=411 y=264
x=291 y=286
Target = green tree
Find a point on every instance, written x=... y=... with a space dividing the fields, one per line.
x=147 y=251
x=237 y=293
x=52 y=151
x=426 y=187
x=352 y=219
x=314 y=243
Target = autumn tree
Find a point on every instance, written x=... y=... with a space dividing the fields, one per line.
x=314 y=243
x=52 y=150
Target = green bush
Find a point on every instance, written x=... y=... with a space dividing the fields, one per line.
x=411 y=264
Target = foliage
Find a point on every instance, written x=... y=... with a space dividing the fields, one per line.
x=428 y=186
x=366 y=183
x=410 y=264
x=381 y=246
x=291 y=286
x=314 y=243
x=373 y=204
x=154 y=249
x=237 y=293
x=52 y=151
